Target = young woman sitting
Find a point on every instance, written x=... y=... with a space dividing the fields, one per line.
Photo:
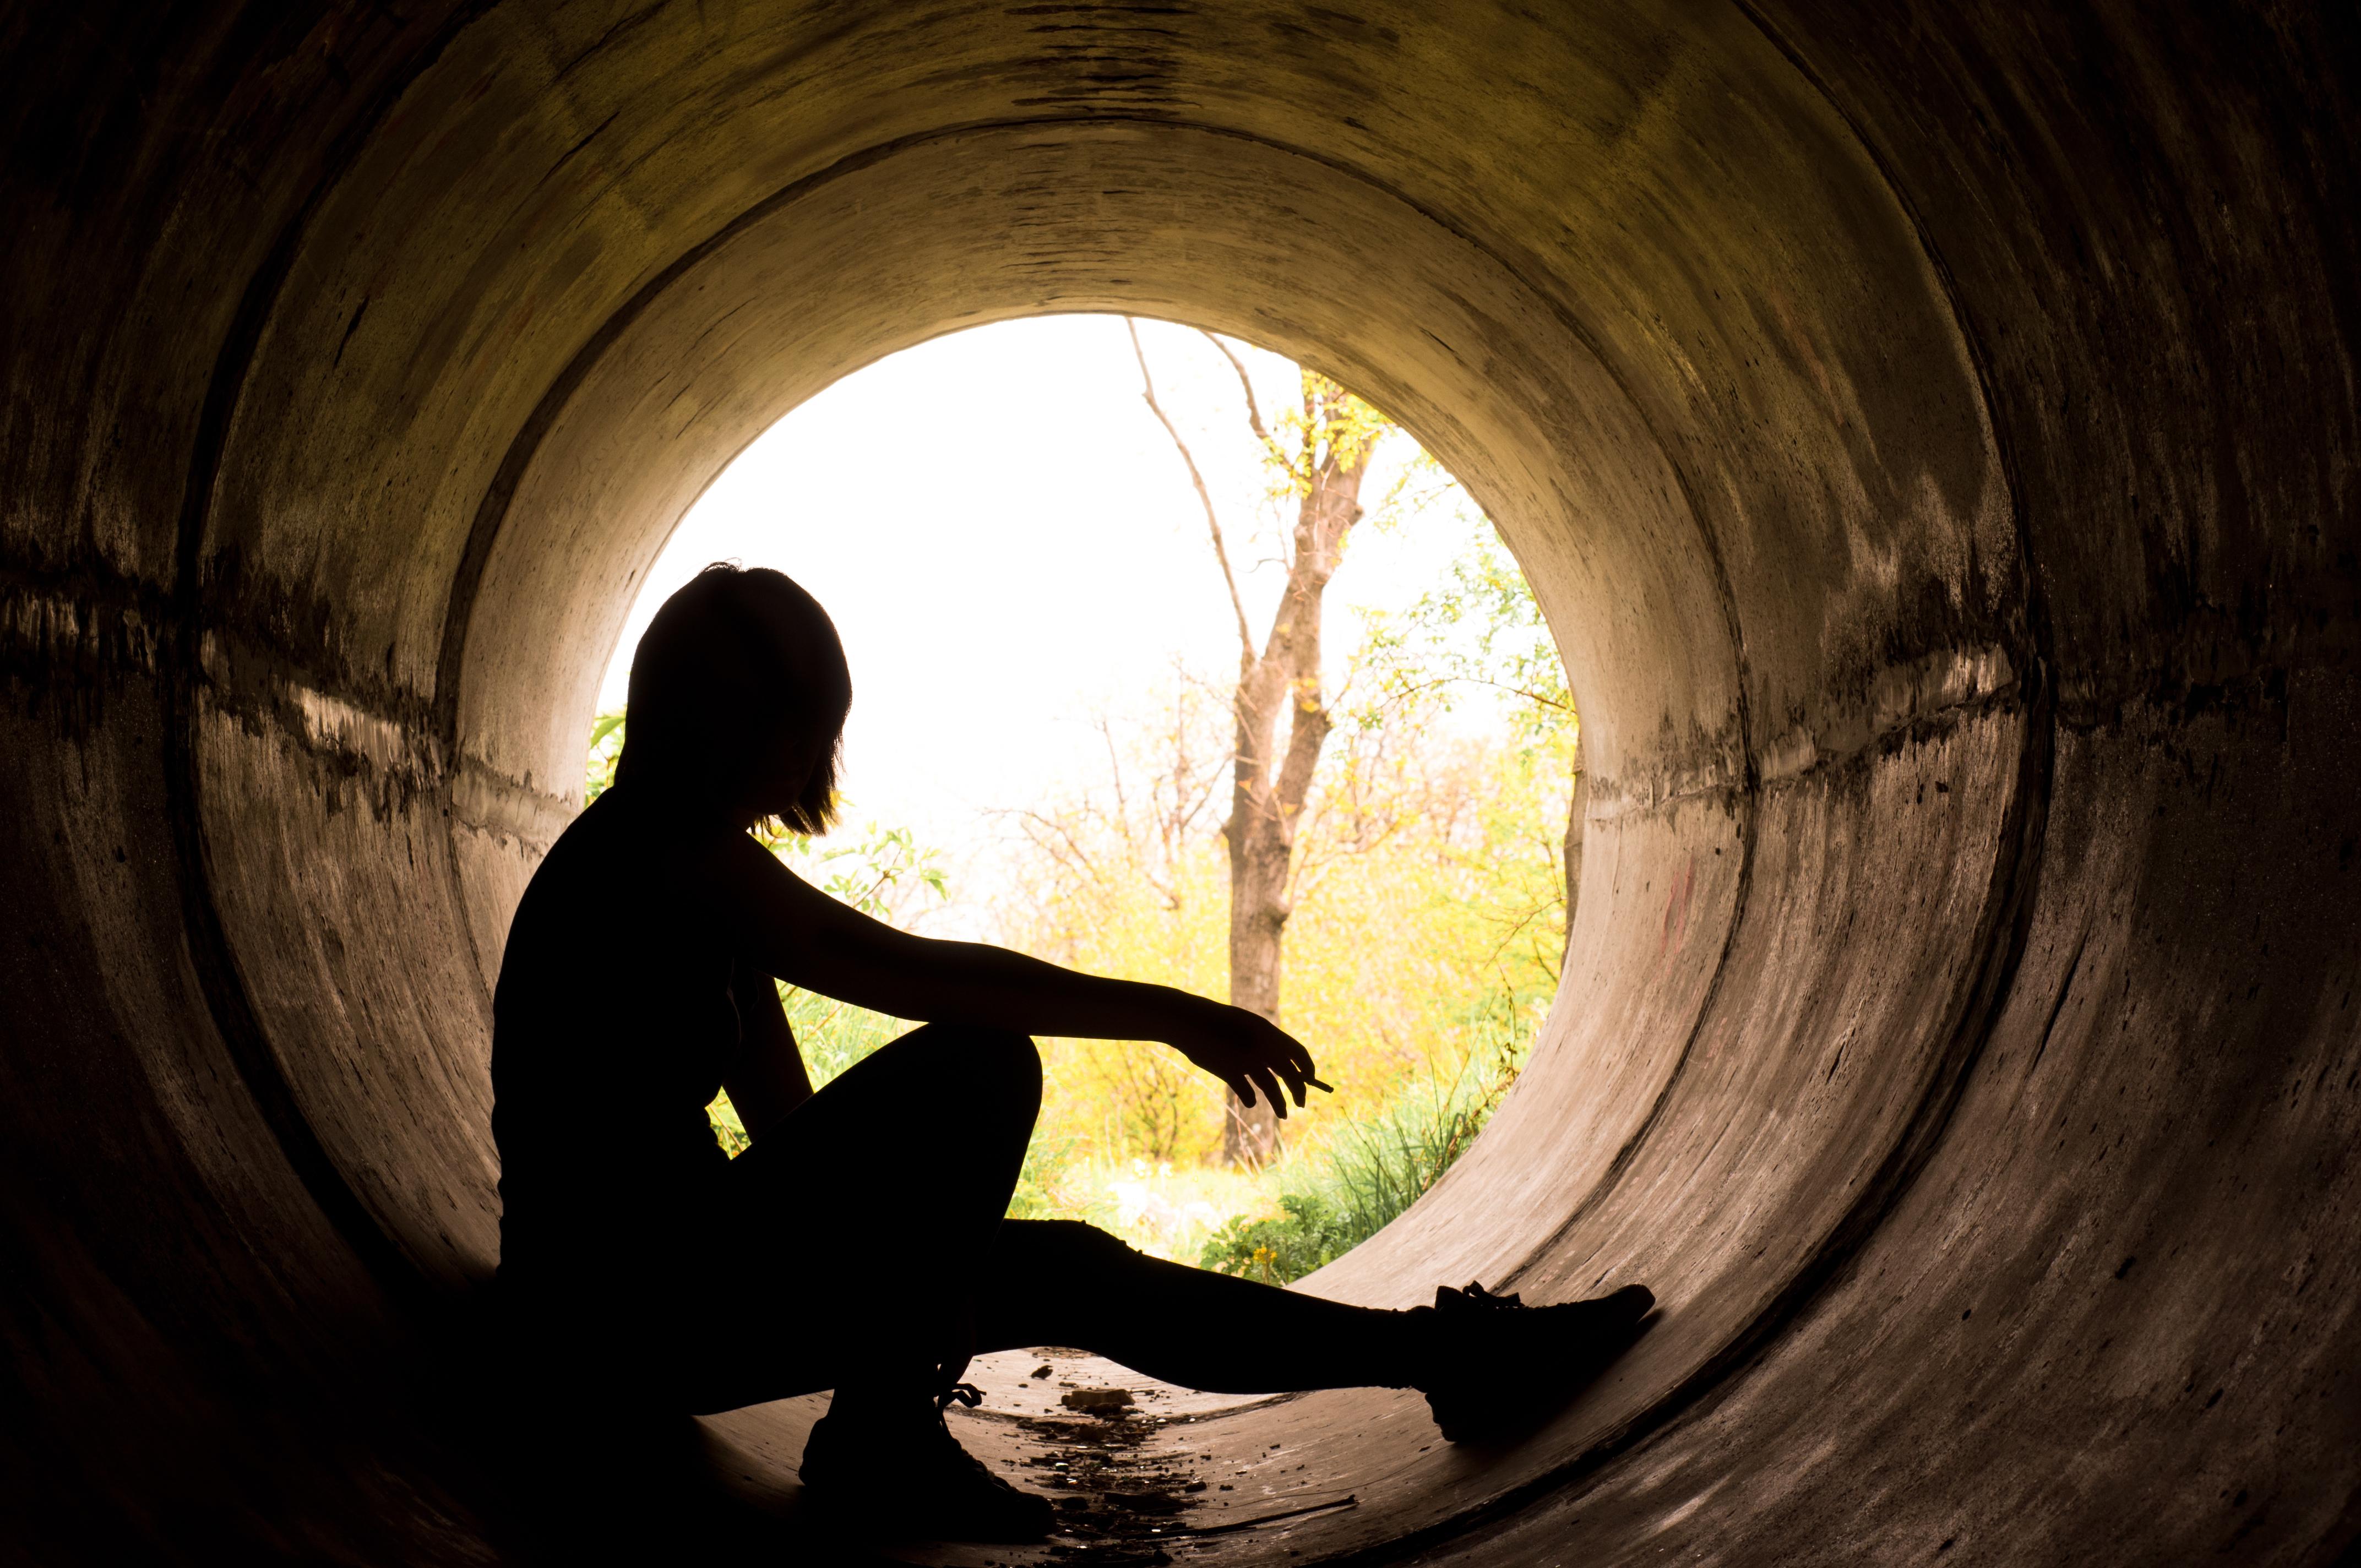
x=859 y=1244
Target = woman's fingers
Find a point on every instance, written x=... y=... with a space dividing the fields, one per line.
x=1254 y=1084
x=1269 y=1082
x=1299 y=1070
x=1262 y=1061
x=1285 y=1060
x=1294 y=1077
x=1298 y=1061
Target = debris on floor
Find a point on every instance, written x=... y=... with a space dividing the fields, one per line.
x=1098 y=1402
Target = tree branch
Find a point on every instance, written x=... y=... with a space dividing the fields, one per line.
x=1254 y=410
x=1030 y=821
x=1213 y=520
x=1115 y=771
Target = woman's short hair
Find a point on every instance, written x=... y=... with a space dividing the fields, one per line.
x=736 y=652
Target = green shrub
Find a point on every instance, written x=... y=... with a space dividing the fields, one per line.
x=1370 y=1172
x=1307 y=1235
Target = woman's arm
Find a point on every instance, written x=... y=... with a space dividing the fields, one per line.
x=769 y=1078
x=809 y=939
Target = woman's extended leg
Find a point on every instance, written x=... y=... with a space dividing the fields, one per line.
x=1062 y=1282
x=1487 y=1364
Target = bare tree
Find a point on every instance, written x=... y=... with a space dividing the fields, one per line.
x=1324 y=459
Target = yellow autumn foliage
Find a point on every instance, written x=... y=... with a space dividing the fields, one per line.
x=1428 y=919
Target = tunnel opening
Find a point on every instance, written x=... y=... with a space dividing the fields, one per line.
x=1930 y=440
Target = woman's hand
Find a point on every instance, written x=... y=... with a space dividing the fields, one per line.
x=1246 y=1051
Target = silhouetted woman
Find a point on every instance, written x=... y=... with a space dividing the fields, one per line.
x=859 y=1245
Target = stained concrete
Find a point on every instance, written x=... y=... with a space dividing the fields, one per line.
x=1931 y=432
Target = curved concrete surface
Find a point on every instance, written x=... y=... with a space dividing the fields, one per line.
x=1931 y=430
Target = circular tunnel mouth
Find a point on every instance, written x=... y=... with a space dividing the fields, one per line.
x=1073 y=636
x=1738 y=452
x=1025 y=1421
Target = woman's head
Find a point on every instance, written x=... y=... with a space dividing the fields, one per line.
x=739 y=691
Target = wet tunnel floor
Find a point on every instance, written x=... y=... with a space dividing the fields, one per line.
x=1165 y=1477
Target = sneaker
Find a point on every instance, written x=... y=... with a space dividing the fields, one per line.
x=1508 y=1366
x=917 y=1482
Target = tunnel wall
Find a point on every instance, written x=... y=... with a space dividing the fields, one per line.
x=1931 y=438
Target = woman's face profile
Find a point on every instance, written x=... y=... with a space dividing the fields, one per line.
x=782 y=766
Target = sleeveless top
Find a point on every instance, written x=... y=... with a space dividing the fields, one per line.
x=613 y=1025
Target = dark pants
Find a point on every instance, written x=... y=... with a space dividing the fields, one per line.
x=860 y=1247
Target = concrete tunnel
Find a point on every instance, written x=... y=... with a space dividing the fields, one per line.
x=1931 y=432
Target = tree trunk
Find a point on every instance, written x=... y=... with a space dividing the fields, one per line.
x=1261 y=838
x=1270 y=775
x=1273 y=773
x=1574 y=818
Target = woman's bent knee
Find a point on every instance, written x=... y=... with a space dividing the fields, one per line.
x=1013 y=1065
x=1012 y=1056
x=995 y=1066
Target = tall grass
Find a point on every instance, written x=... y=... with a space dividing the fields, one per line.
x=1370 y=1170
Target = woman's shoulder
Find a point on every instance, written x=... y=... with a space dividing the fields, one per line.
x=597 y=841
x=620 y=881
x=617 y=842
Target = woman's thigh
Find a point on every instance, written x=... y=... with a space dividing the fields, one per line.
x=940 y=1111
x=851 y=1234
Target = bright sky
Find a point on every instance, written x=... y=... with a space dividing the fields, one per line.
x=1008 y=543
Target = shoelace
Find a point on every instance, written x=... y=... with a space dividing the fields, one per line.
x=966 y=1394
x=1478 y=1296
